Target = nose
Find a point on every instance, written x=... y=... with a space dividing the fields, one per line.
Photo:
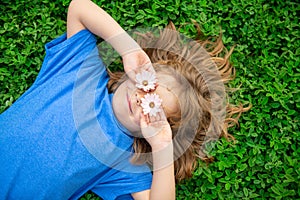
x=138 y=96
x=138 y=100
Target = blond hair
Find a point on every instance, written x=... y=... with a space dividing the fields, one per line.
x=196 y=123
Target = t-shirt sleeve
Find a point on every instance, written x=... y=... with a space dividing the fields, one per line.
x=65 y=55
x=120 y=185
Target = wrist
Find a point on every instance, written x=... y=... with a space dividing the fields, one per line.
x=123 y=43
x=162 y=156
x=162 y=147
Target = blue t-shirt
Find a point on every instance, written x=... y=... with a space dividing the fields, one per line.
x=61 y=138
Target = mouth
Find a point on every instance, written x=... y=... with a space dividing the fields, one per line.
x=129 y=102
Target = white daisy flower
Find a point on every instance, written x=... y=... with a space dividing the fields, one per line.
x=151 y=104
x=145 y=81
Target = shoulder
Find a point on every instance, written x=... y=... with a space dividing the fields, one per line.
x=74 y=24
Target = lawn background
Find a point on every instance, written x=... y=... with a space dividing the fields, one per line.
x=264 y=162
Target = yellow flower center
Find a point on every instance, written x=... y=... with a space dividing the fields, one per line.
x=151 y=104
x=145 y=82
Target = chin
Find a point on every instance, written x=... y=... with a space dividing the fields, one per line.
x=137 y=134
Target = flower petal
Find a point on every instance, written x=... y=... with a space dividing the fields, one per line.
x=145 y=77
x=151 y=104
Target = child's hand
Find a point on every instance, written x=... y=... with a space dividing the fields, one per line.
x=156 y=130
x=134 y=62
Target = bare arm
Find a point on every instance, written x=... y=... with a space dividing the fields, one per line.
x=84 y=14
x=163 y=182
x=158 y=134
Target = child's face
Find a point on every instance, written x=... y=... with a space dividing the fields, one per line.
x=127 y=99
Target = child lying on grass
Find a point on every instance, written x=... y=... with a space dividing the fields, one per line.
x=80 y=127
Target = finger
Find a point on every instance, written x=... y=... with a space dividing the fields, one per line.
x=131 y=75
x=147 y=119
x=160 y=117
x=143 y=121
x=148 y=67
x=152 y=90
x=156 y=118
x=162 y=114
x=152 y=119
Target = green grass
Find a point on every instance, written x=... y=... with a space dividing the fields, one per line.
x=264 y=162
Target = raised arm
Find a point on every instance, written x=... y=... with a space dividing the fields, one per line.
x=158 y=134
x=84 y=14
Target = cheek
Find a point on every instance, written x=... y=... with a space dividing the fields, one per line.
x=137 y=114
x=136 y=109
